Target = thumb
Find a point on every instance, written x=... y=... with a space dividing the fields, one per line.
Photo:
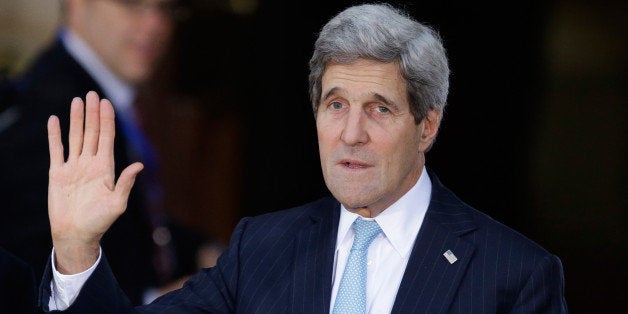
x=127 y=179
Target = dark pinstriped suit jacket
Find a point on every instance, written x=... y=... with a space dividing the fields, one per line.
x=281 y=262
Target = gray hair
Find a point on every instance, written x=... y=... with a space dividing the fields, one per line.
x=383 y=33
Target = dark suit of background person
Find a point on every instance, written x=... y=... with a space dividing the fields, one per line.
x=282 y=262
x=17 y=285
x=46 y=88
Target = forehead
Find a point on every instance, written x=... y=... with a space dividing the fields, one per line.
x=132 y=8
x=364 y=77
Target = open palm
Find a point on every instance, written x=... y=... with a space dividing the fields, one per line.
x=83 y=197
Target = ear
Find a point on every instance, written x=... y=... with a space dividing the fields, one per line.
x=429 y=128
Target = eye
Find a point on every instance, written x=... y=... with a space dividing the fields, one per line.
x=336 y=105
x=382 y=109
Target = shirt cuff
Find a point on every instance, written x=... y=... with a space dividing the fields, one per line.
x=65 y=288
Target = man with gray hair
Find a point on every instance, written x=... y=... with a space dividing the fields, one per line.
x=392 y=238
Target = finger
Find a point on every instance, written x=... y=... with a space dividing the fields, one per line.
x=92 y=124
x=126 y=181
x=77 y=115
x=55 y=145
x=107 y=128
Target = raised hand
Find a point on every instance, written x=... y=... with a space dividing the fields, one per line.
x=84 y=198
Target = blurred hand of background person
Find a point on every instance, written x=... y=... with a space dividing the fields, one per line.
x=113 y=47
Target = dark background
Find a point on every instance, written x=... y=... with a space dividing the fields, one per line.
x=534 y=133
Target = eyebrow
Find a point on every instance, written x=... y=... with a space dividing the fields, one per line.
x=330 y=93
x=386 y=101
x=377 y=96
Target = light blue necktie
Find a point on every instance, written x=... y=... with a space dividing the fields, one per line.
x=351 y=297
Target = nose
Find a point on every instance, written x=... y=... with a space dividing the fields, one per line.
x=154 y=11
x=163 y=10
x=354 y=132
x=154 y=18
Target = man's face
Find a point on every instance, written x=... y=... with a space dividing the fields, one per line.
x=130 y=36
x=371 y=149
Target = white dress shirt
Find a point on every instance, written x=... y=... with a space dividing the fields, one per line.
x=65 y=288
x=387 y=256
x=389 y=253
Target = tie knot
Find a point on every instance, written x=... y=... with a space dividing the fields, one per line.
x=365 y=233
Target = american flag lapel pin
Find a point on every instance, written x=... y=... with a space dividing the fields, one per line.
x=451 y=258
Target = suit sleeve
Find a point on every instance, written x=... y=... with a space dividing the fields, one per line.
x=100 y=293
x=544 y=290
x=212 y=290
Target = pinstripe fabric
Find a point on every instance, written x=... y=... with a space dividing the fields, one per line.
x=282 y=262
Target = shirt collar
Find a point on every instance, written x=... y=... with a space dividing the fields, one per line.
x=400 y=222
x=120 y=93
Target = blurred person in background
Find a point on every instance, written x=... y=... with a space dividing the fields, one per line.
x=113 y=47
x=17 y=285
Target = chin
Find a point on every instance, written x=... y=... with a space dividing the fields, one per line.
x=354 y=200
x=137 y=77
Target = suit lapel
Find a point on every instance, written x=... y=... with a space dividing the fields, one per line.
x=314 y=259
x=431 y=280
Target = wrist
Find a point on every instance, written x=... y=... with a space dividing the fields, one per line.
x=73 y=258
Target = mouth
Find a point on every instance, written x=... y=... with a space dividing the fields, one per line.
x=147 y=52
x=353 y=164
